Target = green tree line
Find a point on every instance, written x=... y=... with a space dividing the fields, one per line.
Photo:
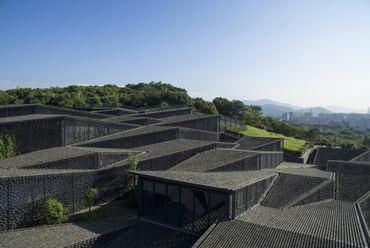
x=137 y=95
x=158 y=93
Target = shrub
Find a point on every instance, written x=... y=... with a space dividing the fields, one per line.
x=52 y=212
x=131 y=166
x=90 y=197
x=8 y=146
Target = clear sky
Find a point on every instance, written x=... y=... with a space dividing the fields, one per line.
x=306 y=53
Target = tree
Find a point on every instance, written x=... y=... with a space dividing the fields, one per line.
x=52 y=212
x=8 y=146
x=223 y=106
x=204 y=107
x=366 y=140
x=130 y=194
x=131 y=166
x=90 y=197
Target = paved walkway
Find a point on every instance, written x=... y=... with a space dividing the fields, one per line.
x=62 y=235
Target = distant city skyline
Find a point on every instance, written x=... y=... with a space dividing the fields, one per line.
x=305 y=53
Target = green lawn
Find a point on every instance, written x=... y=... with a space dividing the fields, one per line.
x=292 y=146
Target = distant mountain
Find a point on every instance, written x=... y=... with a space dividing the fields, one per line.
x=337 y=109
x=270 y=102
x=316 y=110
x=276 y=109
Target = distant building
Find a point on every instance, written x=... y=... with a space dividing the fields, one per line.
x=365 y=123
x=286 y=116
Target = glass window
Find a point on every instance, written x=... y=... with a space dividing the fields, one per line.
x=147 y=209
x=160 y=202
x=217 y=206
x=187 y=209
x=173 y=205
x=201 y=204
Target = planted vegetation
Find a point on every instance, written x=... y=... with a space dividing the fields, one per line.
x=52 y=212
x=8 y=146
x=292 y=146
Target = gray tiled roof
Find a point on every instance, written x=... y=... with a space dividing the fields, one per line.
x=329 y=219
x=212 y=159
x=137 y=131
x=226 y=181
x=325 y=154
x=249 y=143
x=311 y=172
x=168 y=147
x=22 y=118
x=289 y=187
x=182 y=118
x=324 y=224
x=147 y=234
x=43 y=156
x=5 y=173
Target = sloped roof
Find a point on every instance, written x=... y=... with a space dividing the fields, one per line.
x=310 y=172
x=43 y=156
x=132 y=132
x=324 y=224
x=250 y=143
x=325 y=154
x=184 y=118
x=226 y=181
x=33 y=117
x=289 y=187
x=147 y=234
x=168 y=147
x=212 y=159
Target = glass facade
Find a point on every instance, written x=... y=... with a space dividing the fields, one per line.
x=190 y=209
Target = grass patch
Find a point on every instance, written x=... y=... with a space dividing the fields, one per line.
x=292 y=146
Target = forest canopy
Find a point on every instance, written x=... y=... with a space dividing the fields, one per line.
x=138 y=95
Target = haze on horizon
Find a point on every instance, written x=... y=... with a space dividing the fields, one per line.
x=305 y=53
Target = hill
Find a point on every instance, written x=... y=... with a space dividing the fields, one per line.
x=276 y=109
x=292 y=146
x=263 y=102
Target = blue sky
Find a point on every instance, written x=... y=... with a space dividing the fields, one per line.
x=306 y=53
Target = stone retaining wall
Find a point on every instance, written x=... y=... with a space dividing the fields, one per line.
x=21 y=197
x=43 y=133
x=251 y=195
